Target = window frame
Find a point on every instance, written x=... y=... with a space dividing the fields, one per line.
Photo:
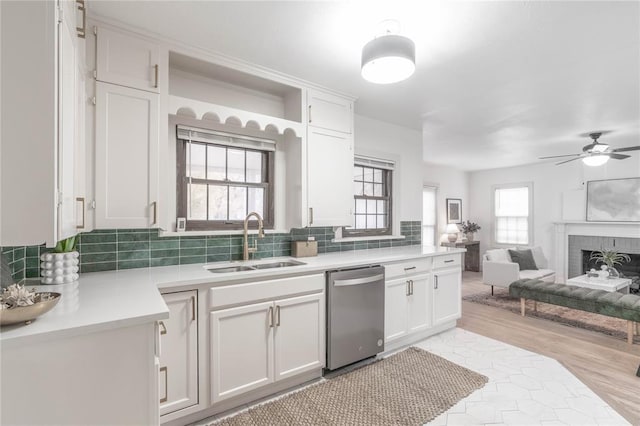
x=436 y=191
x=387 y=179
x=218 y=225
x=494 y=189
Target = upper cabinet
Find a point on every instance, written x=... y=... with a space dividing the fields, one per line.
x=329 y=112
x=329 y=160
x=126 y=150
x=127 y=131
x=127 y=61
x=41 y=115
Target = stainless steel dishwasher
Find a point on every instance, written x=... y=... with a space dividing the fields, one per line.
x=355 y=317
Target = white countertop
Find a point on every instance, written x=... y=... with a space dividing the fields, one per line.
x=113 y=299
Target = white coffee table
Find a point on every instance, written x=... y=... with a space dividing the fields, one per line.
x=606 y=284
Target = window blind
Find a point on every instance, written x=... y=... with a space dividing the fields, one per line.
x=222 y=138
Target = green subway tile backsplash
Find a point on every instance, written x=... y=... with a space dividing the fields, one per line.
x=111 y=249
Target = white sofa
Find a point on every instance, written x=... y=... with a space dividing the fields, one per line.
x=498 y=270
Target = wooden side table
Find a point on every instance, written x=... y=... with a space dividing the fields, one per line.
x=471 y=257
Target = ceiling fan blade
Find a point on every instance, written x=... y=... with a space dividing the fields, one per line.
x=558 y=156
x=588 y=147
x=618 y=156
x=629 y=148
x=566 y=161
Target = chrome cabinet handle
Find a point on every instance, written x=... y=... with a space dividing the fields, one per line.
x=310 y=215
x=409 y=269
x=193 y=308
x=82 y=31
x=81 y=199
x=155 y=67
x=166 y=384
x=310 y=114
x=270 y=314
x=155 y=213
x=435 y=282
x=163 y=328
x=411 y=285
x=278 y=316
x=406 y=290
x=448 y=261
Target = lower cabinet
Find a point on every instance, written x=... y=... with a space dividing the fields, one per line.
x=178 y=374
x=407 y=308
x=261 y=343
x=446 y=295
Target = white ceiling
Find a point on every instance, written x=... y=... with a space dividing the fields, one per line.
x=497 y=83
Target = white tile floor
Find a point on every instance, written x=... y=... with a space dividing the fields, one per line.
x=524 y=388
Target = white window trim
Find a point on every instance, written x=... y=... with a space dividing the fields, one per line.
x=494 y=242
x=437 y=234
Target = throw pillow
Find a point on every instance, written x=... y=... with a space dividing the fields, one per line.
x=524 y=258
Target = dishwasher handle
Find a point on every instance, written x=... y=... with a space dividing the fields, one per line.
x=358 y=281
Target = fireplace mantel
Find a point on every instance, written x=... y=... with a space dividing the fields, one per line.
x=602 y=229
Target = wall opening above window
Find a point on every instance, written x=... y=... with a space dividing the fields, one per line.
x=221 y=177
x=372 y=189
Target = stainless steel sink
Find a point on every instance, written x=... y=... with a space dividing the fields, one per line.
x=225 y=269
x=282 y=264
x=254 y=266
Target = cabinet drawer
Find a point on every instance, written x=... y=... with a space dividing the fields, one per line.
x=446 y=261
x=402 y=269
x=255 y=291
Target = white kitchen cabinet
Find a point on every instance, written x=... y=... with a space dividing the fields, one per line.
x=299 y=335
x=258 y=344
x=329 y=112
x=41 y=208
x=126 y=157
x=241 y=350
x=406 y=306
x=178 y=374
x=127 y=60
x=329 y=178
x=446 y=295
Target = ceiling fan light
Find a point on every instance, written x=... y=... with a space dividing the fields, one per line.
x=600 y=147
x=595 y=160
x=388 y=59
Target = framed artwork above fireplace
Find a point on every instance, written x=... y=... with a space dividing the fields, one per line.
x=613 y=200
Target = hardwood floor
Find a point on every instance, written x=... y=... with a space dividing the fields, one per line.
x=605 y=364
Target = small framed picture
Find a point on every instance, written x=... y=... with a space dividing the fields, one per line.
x=454 y=210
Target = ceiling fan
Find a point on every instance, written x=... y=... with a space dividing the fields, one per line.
x=596 y=153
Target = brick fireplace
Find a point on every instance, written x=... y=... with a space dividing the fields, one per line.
x=574 y=238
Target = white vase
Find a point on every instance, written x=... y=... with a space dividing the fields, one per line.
x=59 y=268
x=469 y=236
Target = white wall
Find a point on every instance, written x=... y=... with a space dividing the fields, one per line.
x=451 y=183
x=378 y=139
x=549 y=184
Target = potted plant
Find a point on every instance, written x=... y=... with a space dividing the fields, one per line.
x=469 y=228
x=611 y=258
x=61 y=265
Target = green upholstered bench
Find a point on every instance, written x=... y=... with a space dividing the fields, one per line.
x=613 y=304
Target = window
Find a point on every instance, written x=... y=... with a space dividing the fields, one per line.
x=372 y=197
x=222 y=178
x=429 y=215
x=512 y=212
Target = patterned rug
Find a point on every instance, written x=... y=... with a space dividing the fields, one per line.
x=615 y=327
x=408 y=388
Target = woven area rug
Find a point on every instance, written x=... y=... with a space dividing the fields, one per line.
x=408 y=388
x=615 y=327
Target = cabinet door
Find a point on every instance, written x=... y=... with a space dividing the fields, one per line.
x=299 y=335
x=396 y=314
x=178 y=379
x=67 y=120
x=329 y=178
x=446 y=295
x=419 y=306
x=241 y=350
x=126 y=60
x=126 y=157
x=330 y=112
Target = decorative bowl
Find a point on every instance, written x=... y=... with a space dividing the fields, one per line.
x=28 y=313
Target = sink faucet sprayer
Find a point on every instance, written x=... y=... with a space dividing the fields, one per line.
x=246 y=249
